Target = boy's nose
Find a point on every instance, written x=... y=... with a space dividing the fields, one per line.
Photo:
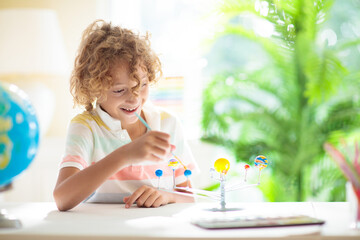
x=133 y=96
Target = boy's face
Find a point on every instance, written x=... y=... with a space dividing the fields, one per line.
x=121 y=102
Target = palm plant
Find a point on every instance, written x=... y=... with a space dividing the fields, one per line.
x=288 y=108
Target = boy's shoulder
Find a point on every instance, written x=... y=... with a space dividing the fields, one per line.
x=84 y=117
x=88 y=118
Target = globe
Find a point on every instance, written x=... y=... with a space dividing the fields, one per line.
x=19 y=132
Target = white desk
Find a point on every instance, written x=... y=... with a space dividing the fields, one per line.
x=112 y=221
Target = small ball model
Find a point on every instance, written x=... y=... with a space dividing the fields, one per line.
x=247 y=166
x=187 y=173
x=159 y=173
x=173 y=163
x=19 y=132
x=222 y=165
x=261 y=162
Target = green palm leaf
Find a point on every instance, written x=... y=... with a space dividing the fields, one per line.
x=291 y=106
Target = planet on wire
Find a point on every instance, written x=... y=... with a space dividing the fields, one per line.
x=261 y=162
x=222 y=165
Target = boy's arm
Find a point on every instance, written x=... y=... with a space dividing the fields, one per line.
x=74 y=185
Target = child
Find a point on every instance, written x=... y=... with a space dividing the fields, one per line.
x=110 y=155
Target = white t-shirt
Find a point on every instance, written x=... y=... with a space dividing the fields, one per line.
x=93 y=135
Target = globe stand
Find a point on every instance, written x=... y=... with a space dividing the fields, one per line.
x=7 y=221
x=5 y=187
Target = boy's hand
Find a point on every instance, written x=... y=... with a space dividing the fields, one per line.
x=153 y=146
x=146 y=196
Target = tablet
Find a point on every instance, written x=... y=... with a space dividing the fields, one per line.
x=256 y=222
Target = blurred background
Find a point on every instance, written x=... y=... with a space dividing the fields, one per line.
x=246 y=77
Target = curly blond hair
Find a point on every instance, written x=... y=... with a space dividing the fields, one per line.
x=102 y=46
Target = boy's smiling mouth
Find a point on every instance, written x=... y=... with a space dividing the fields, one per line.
x=129 y=110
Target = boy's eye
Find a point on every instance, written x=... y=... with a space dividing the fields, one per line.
x=144 y=82
x=118 y=91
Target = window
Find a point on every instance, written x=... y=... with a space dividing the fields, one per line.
x=178 y=29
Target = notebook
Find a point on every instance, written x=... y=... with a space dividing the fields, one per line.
x=256 y=221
